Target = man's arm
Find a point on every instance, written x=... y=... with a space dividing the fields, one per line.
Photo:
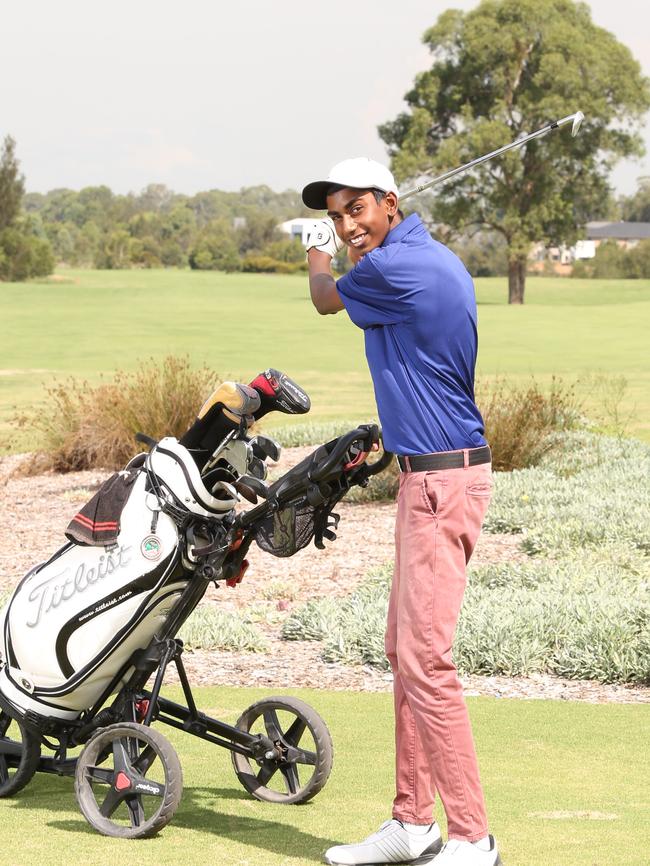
x=322 y=284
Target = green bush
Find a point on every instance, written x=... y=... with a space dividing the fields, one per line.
x=612 y=261
x=590 y=490
x=213 y=629
x=311 y=433
x=521 y=425
x=215 y=250
x=520 y=420
x=23 y=255
x=315 y=620
x=259 y=263
x=85 y=427
x=580 y=617
x=286 y=250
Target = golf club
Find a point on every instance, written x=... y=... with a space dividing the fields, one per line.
x=577 y=119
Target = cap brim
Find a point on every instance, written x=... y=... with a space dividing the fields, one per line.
x=314 y=195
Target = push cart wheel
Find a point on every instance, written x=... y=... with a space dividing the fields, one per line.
x=20 y=753
x=128 y=781
x=302 y=756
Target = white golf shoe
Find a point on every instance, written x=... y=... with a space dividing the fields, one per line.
x=392 y=843
x=458 y=853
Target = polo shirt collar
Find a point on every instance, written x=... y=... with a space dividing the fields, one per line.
x=397 y=234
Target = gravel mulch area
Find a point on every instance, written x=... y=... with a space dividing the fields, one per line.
x=34 y=512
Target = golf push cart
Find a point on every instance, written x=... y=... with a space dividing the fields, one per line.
x=87 y=636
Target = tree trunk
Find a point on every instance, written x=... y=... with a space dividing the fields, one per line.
x=517 y=279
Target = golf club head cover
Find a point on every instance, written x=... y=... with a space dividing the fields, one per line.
x=279 y=393
x=222 y=412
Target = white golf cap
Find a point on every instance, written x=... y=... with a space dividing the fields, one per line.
x=357 y=173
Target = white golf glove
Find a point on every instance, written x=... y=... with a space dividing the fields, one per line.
x=324 y=238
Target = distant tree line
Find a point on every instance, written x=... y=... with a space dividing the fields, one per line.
x=214 y=230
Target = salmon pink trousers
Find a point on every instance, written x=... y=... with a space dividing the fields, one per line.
x=439 y=518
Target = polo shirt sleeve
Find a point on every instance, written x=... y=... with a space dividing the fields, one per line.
x=368 y=297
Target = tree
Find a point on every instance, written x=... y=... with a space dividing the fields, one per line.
x=12 y=184
x=505 y=68
x=636 y=208
x=215 y=248
x=23 y=255
x=24 y=249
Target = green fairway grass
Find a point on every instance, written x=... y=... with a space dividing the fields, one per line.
x=566 y=785
x=93 y=322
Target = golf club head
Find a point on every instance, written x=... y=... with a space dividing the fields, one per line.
x=577 y=123
x=264 y=446
x=256 y=468
x=226 y=492
x=248 y=485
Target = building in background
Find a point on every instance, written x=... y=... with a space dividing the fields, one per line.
x=301 y=228
x=560 y=259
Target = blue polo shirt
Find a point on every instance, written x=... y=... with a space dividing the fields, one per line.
x=415 y=302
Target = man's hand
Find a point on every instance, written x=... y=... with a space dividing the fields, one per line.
x=324 y=238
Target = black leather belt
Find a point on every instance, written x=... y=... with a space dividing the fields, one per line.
x=444 y=459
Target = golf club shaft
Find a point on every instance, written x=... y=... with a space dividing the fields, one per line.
x=576 y=118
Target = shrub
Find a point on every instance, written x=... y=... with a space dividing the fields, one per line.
x=313 y=621
x=590 y=490
x=22 y=255
x=259 y=263
x=214 y=629
x=519 y=421
x=84 y=427
x=286 y=250
x=581 y=617
x=521 y=424
x=311 y=433
x=612 y=261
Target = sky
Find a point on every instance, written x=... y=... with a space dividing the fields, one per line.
x=206 y=95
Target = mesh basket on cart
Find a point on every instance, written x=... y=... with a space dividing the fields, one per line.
x=293 y=527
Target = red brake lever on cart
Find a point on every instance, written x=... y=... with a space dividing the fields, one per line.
x=361 y=457
x=237 y=543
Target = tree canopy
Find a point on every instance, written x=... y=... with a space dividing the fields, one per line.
x=12 y=184
x=23 y=253
x=506 y=68
x=158 y=227
x=636 y=208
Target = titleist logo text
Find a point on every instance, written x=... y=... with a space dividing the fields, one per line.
x=61 y=587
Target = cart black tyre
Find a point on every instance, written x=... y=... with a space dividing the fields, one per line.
x=301 y=738
x=20 y=753
x=128 y=781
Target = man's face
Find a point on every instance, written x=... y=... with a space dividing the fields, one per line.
x=360 y=221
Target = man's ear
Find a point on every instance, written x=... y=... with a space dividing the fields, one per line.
x=390 y=200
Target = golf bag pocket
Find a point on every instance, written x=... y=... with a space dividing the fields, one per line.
x=74 y=621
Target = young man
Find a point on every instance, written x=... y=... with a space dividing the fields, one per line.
x=415 y=302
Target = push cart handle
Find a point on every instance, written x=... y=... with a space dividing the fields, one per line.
x=369 y=433
x=384 y=461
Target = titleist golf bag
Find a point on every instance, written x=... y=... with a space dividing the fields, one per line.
x=100 y=616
